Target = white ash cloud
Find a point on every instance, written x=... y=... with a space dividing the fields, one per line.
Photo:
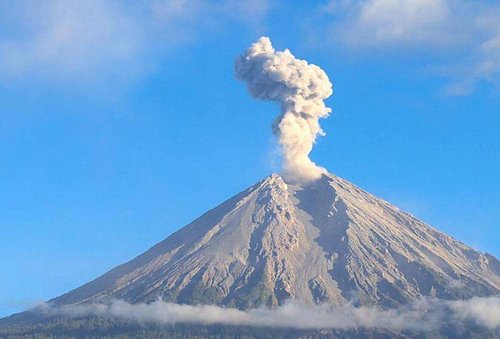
x=423 y=315
x=300 y=88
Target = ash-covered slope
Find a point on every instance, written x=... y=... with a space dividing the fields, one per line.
x=327 y=241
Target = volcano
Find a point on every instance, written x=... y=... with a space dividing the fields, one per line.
x=326 y=241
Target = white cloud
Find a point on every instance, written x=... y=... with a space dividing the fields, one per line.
x=85 y=41
x=482 y=66
x=485 y=311
x=69 y=39
x=464 y=33
x=438 y=24
x=489 y=53
x=378 y=23
x=422 y=315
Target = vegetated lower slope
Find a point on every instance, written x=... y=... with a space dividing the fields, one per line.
x=98 y=327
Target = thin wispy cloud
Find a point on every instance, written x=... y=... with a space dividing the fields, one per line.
x=86 y=41
x=385 y=23
x=68 y=39
x=483 y=66
x=462 y=33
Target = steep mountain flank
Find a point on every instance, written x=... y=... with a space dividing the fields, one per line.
x=327 y=241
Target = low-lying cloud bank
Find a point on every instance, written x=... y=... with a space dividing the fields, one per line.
x=423 y=315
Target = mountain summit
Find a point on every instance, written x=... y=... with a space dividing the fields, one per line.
x=323 y=242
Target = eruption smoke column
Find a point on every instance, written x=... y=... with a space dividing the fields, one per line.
x=300 y=89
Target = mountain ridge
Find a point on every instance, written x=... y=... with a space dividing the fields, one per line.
x=324 y=241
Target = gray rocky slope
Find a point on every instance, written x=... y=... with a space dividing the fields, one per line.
x=327 y=241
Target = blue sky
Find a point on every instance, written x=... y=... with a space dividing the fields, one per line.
x=122 y=121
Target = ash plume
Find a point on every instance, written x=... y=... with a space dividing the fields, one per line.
x=300 y=88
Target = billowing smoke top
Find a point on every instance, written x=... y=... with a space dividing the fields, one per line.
x=300 y=89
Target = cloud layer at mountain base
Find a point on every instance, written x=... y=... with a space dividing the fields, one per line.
x=423 y=315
